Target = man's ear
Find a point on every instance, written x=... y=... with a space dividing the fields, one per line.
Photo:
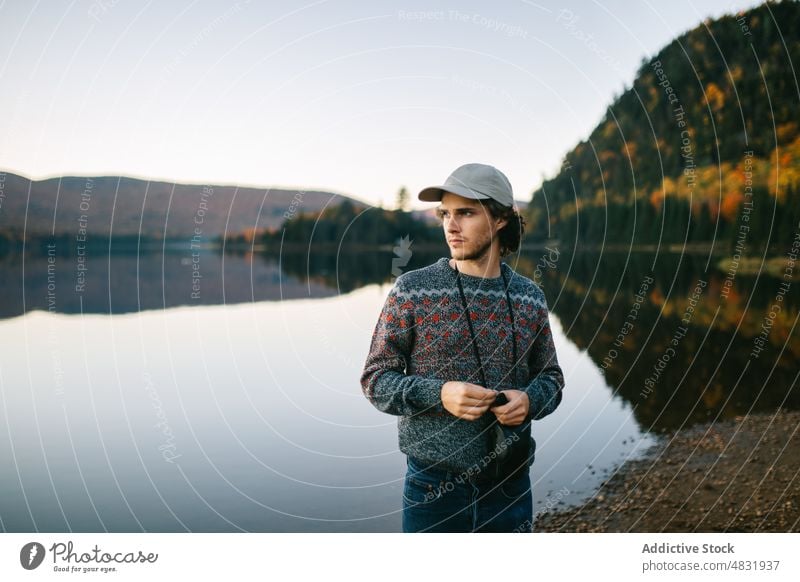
x=501 y=222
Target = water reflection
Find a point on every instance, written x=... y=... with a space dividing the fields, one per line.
x=685 y=347
x=628 y=311
x=244 y=411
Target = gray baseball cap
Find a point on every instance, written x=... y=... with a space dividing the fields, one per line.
x=477 y=181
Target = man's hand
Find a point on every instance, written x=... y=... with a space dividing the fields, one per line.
x=467 y=401
x=513 y=413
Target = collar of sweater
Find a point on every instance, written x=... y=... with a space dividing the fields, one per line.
x=490 y=282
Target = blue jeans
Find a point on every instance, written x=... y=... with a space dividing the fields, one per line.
x=442 y=500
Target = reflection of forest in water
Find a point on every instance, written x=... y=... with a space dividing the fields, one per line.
x=625 y=311
x=690 y=350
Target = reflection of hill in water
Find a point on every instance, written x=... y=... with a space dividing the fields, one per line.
x=127 y=283
x=713 y=370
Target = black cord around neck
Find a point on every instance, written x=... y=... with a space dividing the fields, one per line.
x=472 y=331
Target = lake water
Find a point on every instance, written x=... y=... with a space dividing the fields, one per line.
x=138 y=402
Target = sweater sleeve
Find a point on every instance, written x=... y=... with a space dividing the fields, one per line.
x=546 y=377
x=384 y=380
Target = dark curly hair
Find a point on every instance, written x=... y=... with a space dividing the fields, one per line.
x=511 y=234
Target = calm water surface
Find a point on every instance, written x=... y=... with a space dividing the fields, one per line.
x=132 y=406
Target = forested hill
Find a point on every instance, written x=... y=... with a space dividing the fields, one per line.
x=705 y=145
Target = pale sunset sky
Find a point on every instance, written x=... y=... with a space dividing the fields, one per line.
x=358 y=98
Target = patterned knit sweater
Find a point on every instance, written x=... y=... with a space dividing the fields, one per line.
x=422 y=340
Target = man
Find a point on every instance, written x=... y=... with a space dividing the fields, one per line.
x=450 y=339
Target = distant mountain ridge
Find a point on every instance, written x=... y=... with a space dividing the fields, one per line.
x=155 y=209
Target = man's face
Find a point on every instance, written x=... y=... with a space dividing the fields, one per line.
x=469 y=227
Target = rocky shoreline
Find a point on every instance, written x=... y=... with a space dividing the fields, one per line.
x=740 y=475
